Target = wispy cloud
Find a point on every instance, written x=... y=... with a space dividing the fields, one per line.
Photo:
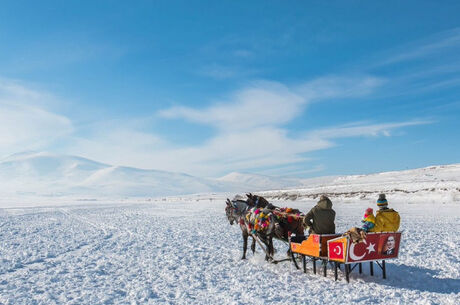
x=358 y=130
x=249 y=129
x=417 y=68
x=264 y=103
x=339 y=87
x=426 y=47
x=25 y=124
x=271 y=103
x=57 y=51
x=250 y=125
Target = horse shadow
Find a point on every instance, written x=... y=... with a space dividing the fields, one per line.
x=417 y=278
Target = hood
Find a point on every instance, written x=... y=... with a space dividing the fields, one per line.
x=325 y=204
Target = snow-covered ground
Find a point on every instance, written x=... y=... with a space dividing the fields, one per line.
x=183 y=251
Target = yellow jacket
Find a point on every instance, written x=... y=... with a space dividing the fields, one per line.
x=370 y=218
x=386 y=221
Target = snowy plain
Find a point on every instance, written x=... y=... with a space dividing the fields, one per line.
x=182 y=250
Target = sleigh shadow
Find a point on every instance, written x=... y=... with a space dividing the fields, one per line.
x=420 y=279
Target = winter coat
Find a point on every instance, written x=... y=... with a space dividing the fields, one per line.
x=368 y=223
x=321 y=218
x=386 y=221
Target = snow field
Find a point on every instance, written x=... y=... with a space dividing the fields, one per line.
x=185 y=252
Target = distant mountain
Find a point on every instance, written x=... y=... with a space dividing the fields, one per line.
x=440 y=182
x=48 y=166
x=52 y=175
x=56 y=175
x=46 y=174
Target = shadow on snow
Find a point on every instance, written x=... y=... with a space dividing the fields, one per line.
x=417 y=278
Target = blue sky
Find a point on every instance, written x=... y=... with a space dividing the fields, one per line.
x=298 y=88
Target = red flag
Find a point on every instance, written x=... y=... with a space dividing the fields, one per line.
x=336 y=250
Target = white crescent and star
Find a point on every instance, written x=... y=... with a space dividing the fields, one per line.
x=337 y=250
x=353 y=255
x=370 y=248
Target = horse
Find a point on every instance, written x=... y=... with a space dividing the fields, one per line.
x=282 y=222
x=289 y=222
x=236 y=211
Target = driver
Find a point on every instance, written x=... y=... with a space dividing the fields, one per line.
x=320 y=219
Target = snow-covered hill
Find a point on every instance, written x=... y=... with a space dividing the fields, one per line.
x=46 y=174
x=49 y=176
x=435 y=183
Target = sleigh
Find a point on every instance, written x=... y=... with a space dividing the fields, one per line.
x=339 y=250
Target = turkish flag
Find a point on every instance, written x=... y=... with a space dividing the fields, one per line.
x=336 y=250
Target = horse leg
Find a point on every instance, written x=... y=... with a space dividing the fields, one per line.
x=268 y=251
x=270 y=248
x=253 y=246
x=245 y=244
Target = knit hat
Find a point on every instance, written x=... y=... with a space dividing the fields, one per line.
x=382 y=201
x=368 y=212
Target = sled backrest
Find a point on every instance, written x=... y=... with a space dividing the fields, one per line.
x=376 y=246
x=315 y=245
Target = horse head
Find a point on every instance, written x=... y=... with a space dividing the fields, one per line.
x=230 y=211
x=256 y=201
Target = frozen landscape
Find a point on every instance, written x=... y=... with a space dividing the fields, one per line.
x=126 y=126
x=182 y=250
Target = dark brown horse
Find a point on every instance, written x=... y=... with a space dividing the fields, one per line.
x=289 y=222
x=256 y=201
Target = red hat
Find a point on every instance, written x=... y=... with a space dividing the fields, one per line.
x=369 y=211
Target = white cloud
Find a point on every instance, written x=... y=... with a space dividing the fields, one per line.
x=250 y=132
x=263 y=104
x=237 y=150
x=359 y=130
x=438 y=43
x=25 y=124
x=119 y=144
x=339 y=87
x=272 y=103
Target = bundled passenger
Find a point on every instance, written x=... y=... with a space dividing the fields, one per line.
x=386 y=219
x=358 y=235
x=368 y=220
x=321 y=217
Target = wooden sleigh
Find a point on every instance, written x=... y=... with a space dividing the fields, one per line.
x=338 y=250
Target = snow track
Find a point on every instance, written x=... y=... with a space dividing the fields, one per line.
x=187 y=253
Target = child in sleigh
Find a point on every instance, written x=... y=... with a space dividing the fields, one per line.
x=357 y=235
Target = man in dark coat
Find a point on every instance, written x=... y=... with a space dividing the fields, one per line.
x=321 y=218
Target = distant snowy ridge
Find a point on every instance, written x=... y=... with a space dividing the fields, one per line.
x=50 y=175
x=53 y=175
x=430 y=183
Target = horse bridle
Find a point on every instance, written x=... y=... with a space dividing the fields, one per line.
x=236 y=213
x=231 y=215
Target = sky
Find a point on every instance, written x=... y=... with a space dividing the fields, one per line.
x=298 y=88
